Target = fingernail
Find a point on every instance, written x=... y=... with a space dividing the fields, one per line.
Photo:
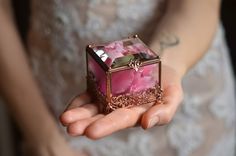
x=153 y=121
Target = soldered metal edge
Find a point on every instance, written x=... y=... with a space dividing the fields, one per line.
x=128 y=100
x=90 y=50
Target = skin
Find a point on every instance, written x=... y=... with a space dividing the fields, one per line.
x=188 y=27
x=190 y=23
x=22 y=96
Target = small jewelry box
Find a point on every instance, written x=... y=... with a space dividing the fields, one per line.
x=123 y=74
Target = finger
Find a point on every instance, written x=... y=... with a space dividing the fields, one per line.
x=79 y=113
x=163 y=113
x=77 y=128
x=78 y=101
x=117 y=120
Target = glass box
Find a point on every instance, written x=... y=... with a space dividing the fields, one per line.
x=123 y=73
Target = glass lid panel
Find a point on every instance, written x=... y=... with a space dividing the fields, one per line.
x=120 y=53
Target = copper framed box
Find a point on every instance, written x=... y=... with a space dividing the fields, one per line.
x=123 y=73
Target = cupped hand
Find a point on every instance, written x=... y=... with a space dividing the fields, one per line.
x=83 y=118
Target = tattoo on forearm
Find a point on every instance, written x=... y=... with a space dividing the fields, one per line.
x=167 y=40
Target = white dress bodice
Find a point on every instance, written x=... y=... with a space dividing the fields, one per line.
x=60 y=29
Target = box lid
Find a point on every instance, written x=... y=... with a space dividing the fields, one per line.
x=123 y=54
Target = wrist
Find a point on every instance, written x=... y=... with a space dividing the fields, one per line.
x=176 y=64
x=167 y=46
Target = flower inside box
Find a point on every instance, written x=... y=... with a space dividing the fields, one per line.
x=123 y=73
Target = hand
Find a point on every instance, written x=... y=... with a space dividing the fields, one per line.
x=82 y=117
x=48 y=145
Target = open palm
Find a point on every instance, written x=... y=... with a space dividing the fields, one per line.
x=82 y=117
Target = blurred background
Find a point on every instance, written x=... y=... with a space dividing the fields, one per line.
x=22 y=13
x=228 y=17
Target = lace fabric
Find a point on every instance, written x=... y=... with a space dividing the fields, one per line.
x=61 y=29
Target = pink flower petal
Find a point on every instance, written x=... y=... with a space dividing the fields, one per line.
x=102 y=85
x=128 y=80
x=148 y=70
x=114 y=49
x=121 y=81
x=96 y=69
x=141 y=83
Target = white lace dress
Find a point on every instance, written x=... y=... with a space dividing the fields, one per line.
x=60 y=29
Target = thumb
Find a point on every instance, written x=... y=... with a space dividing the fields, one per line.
x=163 y=113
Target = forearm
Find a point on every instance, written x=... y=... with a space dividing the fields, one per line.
x=17 y=84
x=185 y=32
